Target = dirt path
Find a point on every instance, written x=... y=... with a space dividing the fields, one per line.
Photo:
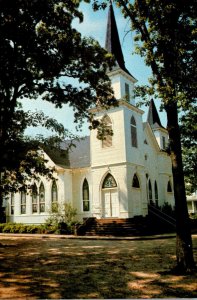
x=54 y=268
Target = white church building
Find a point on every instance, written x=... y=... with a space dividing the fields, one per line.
x=114 y=178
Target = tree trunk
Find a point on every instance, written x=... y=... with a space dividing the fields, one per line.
x=184 y=251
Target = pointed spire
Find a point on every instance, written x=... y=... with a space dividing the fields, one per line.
x=112 y=41
x=153 y=117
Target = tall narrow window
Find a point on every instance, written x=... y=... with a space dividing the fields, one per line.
x=86 y=199
x=34 y=199
x=109 y=182
x=12 y=204
x=54 y=195
x=150 y=194
x=107 y=141
x=135 y=182
x=156 y=193
x=23 y=202
x=133 y=132
x=169 y=187
x=163 y=142
x=42 y=197
x=127 y=92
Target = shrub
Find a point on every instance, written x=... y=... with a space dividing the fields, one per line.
x=24 y=228
x=62 y=218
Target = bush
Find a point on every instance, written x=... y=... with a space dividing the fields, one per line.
x=24 y=228
x=62 y=218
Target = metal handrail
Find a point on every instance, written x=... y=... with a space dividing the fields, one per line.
x=162 y=215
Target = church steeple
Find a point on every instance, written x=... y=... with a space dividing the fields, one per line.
x=153 y=117
x=112 y=41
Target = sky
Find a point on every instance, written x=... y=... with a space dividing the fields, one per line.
x=94 y=26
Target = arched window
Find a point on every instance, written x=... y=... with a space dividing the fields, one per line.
x=156 y=193
x=42 y=197
x=86 y=198
x=109 y=182
x=169 y=187
x=23 y=202
x=54 y=194
x=34 y=196
x=107 y=141
x=133 y=132
x=135 y=182
x=150 y=194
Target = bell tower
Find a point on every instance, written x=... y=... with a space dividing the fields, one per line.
x=122 y=81
x=119 y=155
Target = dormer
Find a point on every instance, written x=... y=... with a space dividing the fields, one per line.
x=159 y=131
x=121 y=79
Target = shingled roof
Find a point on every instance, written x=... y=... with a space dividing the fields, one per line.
x=79 y=153
x=71 y=157
x=112 y=41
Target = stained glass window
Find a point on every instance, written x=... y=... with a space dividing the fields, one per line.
x=42 y=197
x=109 y=182
x=34 y=199
x=86 y=200
x=54 y=194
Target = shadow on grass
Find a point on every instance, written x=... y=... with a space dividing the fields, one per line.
x=73 y=269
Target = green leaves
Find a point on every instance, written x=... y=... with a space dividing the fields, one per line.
x=40 y=51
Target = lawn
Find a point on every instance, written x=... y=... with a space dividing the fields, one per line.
x=54 y=268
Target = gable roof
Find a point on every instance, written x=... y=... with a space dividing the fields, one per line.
x=149 y=136
x=79 y=153
x=70 y=157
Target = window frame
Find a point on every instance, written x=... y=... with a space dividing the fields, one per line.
x=34 y=199
x=85 y=196
x=169 y=186
x=133 y=126
x=109 y=178
x=54 y=190
x=23 y=202
x=41 y=202
x=156 y=193
x=135 y=182
x=127 y=92
x=12 y=203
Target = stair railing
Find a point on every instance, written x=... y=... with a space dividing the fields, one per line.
x=160 y=214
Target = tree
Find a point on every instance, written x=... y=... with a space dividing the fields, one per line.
x=189 y=148
x=40 y=51
x=167 y=34
x=166 y=37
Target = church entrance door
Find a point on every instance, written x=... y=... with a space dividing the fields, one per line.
x=110 y=204
x=110 y=201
